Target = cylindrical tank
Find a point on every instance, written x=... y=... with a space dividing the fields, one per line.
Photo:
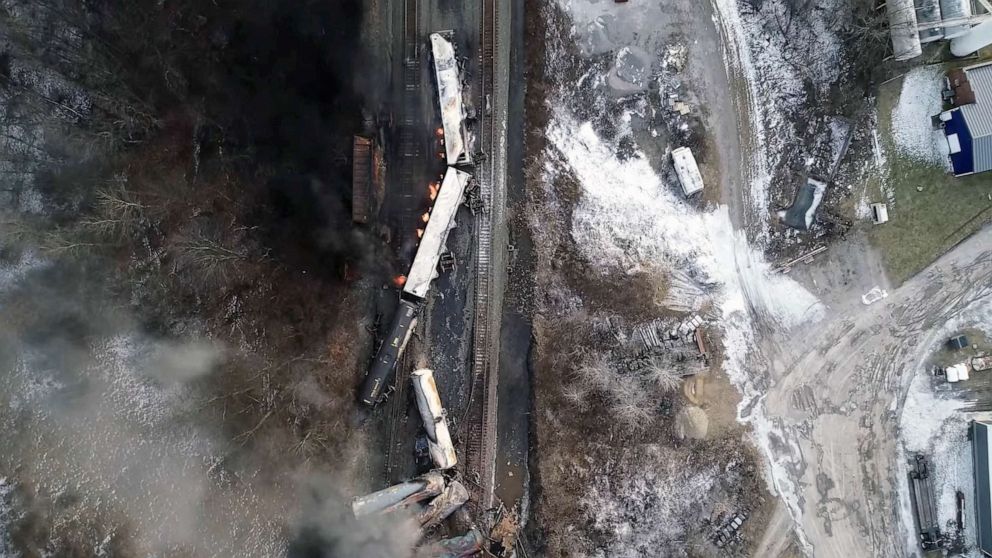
x=955 y=9
x=979 y=36
x=902 y=29
x=400 y=495
x=454 y=496
x=380 y=374
x=928 y=11
x=435 y=422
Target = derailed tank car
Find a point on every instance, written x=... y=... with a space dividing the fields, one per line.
x=449 y=93
x=422 y=273
x=435 y=419
x=389 y=352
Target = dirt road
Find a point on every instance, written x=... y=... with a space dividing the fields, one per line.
x=835 y=392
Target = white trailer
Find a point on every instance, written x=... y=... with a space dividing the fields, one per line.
x=435 y=420
x=449 y=92
x=432 y=243
x=687 y=171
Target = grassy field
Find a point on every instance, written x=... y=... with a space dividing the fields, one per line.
x=922 y=224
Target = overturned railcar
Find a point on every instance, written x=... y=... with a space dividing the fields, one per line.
x=422 y=272
x=449 y=92
x=381 y=371
x=439 y=442
x=434 y=241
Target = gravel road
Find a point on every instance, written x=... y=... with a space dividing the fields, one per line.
x=835 y=392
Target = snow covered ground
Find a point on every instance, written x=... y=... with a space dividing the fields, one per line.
x=628 y=218
x=919 y=101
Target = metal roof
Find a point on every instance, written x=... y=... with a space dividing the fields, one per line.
x=978 y=116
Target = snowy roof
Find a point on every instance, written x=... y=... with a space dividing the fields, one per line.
x=432 y=243
x=449 y=91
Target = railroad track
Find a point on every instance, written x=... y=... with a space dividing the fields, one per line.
x=410 y=153
x=481 y=443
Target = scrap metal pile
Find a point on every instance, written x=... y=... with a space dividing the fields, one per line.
x=432 y=498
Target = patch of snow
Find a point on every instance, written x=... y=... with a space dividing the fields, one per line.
x=628 y=217
x=774 y=67
x=12 y=274
x=934 y=421
x=924 y=414
x=919 y=101
x=738 y=56
x=863 y=209
x=644 y=512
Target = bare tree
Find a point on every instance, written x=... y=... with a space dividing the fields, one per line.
x=118 y=212
x=575 y=392
x=630 y=404
x=595 y=371
x=665 y=378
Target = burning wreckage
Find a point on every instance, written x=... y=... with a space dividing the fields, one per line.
x=418 y=280
x=436 y=495
x=440 y=221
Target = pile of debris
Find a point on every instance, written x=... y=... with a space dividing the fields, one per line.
x=433 y=497
x=681 y=344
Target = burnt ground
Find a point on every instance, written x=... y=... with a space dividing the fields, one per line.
x=204 y=194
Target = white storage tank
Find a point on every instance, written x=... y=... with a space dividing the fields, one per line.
x=928 y=11
x=978 y=37
x=902 y=29
x=955 y=9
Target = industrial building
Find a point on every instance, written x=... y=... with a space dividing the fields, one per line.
x=980 y=450
x=968 y=125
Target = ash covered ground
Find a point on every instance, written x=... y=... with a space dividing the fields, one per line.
x=184 y=297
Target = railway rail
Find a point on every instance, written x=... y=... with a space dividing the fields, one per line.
x=410 y=152
x=481 y=441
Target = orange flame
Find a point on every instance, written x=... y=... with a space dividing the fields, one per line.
x=425 y=217
x=399 y=280
x=420 y=233
x=432 y=190
x=439 y=132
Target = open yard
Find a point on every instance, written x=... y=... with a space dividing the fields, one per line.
x=930 y=210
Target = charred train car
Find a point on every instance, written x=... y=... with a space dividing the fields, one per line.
x=441 y=220
x=422 y=273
